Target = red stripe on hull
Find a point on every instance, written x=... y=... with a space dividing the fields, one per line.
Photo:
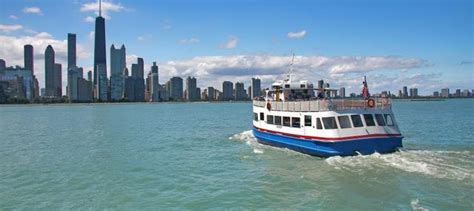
x=327 y=138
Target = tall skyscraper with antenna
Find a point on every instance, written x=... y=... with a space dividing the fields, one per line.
x=99 y=46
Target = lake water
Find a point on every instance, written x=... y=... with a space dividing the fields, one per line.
x=203 y=156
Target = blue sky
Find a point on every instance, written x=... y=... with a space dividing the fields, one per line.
x=424 y=44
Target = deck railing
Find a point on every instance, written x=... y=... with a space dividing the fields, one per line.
x=324 y=104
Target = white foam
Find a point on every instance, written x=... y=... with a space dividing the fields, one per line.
x=439 y=164
x=415 y=205
x=257 y=151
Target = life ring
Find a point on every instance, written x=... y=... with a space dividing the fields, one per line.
x=371 y=103
x=269 y=106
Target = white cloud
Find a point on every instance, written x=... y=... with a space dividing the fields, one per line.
x=107 y=7
x=9 y=28
x=231 y=43
x=144 y=37
x=212 y=70
x=191 y=40
x=89 y=19
x=12 y=52
x=91 y=35
x=13 y=17
x=296 y=35
x=33 y=10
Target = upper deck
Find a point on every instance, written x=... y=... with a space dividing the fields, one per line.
x=318 y=105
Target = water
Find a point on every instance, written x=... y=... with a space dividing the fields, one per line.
x=203 y=156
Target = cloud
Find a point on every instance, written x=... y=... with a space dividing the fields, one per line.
x=296 y=35
x=107 y=7
x=191 y=40
x=91 y=35
x=12 y=52
x=13 y=17
x=231 y=43
x=32 y=10
x=9 y=28
x=212 y=70
x=89 y=19
x=144 y=37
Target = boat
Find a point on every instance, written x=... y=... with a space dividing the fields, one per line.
x=311 y=120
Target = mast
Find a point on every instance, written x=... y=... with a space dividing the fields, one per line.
x=290 y=71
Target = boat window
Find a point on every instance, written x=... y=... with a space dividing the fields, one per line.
x=277 y=120
x=286 y=121
x=329 y=123
x=389 y=120
x=319 y=126
x=295 y=122
x=344 y=122
x=270 y=119
x=307 y=120
x=369 y=120
x=357 y=121
x=380 y=120
x=262 y=116
x=255 y=116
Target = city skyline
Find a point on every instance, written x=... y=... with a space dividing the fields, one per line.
x=233 y=55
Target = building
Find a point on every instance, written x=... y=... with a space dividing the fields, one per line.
x=240 y=91
x=78 y=89
x=175 y=88
x=342 y=92
x=465 y=93
x=191 y=89
x=413 y=92
x=211 y=93
x=138 y=83
x=18 y=83
x=101 y=86
x=117 y=68
x=100 y=59
x=256 y=88
x=227 y=90
x=154 y=84
x=436 y=94
x=405 y=91
x=49 y=62
x=320 y=84
x=71 y=51
x=28 y=58
x=458 y=93
x=445 y=92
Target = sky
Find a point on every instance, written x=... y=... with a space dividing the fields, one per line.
x=424 y=44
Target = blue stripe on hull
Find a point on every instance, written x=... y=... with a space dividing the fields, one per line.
x=326 y=149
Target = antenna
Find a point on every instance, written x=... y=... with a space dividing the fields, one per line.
x=291 y=69
x=100 y=8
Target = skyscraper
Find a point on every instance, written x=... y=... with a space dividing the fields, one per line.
x=239 y=91
x=138 y=82
x=176 y=88
x=154 y=84
x=211 y=93
x=99 y=44
x=405 y=91
x=58 y=81
x=28 y=58
x=256 y=88
x=342 y=92
x=227 y=90
x=117 y=67
x=71 y=51
x=49 y=71
x=191 y=89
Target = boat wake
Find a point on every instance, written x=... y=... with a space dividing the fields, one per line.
x=455 y=165
x=250 y=140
